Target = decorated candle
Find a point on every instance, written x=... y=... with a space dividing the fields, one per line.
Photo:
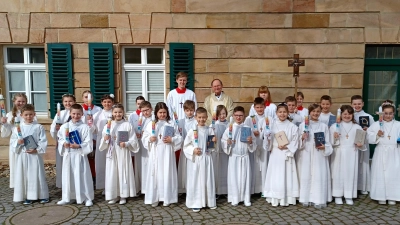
x=58 y=112
x=306 y=123
x=17 y=125
x=89 y=103
x=380 y=118
x=230 y=127
x=153 y=125
x=108 y=130
x=196 y=136
x=176 y=117
x=67 y=133
x=214 y=116
x=140 y=122
x=2 y=107
x=266 y=123
x=338 y=120
x=254 y=121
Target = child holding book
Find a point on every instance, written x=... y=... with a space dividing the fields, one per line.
x=258 y=158
x=8 y=123
x=61 y=117
x=291 y=102
x=161 y=139
x=118 y=141
x=29 y=142
x=344 y=158
x=237 y=142
x=312 y=160
x=74 y=144
x=184 y=125
x=364 y=120
x=281 y=182
x=100 y=120
x=326 y=116
x=385 y=176
x=270 y=108
x=220 y=159
x=302 y=111
x=200 y=191
x=137 y=157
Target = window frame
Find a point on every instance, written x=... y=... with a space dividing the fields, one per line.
x=143 y=67
x=27 y=68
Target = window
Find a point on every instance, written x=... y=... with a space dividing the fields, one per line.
x=143 y=74
x=25 y=71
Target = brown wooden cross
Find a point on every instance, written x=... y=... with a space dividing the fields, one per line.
x=295 y=63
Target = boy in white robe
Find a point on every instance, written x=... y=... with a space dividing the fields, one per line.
x=281 y=182
x=313 y=161
x=184 y=126
x=30 y=177
x=301 y=111
x=326 y=103
x=177 y=97
x=291 y=102
x=270 y=108
x=344 y=158
x=60 y=119
x=99 y=122
x=200 y=180
x=120 y=179
x=258 y=159
x=77 y=183
x=161 y=180
x=239 y=171
x=364 y=176
x=385 y=175
x=139 y=123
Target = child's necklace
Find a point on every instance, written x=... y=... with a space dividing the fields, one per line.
x=347 y=132
x=389 y=131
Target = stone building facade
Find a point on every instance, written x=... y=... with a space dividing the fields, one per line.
x=246 y=44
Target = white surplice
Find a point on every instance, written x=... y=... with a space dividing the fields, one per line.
x=313 y=166
x=385 y=175
x=303 y=112
x=175 y=102
x=120 y=179
x=200 y=190
x=184 y=126
x=30 y=177
x=324 y=118
x=344 y=160
x=162 y=178
x=77 y=180
x=6 y=130
x=220 y=160
x=64 y=116
x=239 y=171
x=295 y=118
x=281 y=183
x=99 y=122
x=364 y=169
x=269 y=110
x=257 y=158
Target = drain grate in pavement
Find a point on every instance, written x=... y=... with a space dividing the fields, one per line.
x=44 y=215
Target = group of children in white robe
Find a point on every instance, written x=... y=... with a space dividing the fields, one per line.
x=283 y=173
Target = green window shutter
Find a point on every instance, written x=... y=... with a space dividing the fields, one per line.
x=181 y=59
x=59 y=59
x=101 y=70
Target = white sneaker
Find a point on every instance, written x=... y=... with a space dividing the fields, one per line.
x=382 y=202
x=392 y=202
x=364 y=192
x=155 y=204
x=349 y=201
x=122 y=201
x=247 y=204
x=339 y=201
x=62 y=202
x=88 y=203
x=215 y=207
x=165 y=204
x=112 y=201
x=234 y=204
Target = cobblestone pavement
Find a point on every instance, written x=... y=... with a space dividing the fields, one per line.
x=364 y=211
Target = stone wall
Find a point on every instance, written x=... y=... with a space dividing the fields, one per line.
x=244 y=43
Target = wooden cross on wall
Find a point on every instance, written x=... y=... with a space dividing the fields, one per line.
x=295 y=63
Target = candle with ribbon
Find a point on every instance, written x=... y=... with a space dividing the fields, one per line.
x=230 y=128
x=306 y=125
x=2 y=106
x=254 y=121
x=380 y=113
x=338 y=120
x=140 y=123
x=89 y=103
x=153 y=125
x=176 y=117
x=196 y=136
x=214 y=116
x=108 y=130
x=58 y=112
x=67 y=134
x=266 y=123
x=18 y=126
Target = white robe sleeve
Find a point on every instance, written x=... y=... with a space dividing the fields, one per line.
x=146 y=137
x=103 y=145
x=42 y=142
x=132 y=144
x=224 y=141
x=6 y=129
x=253 y=146
x=87 y=143
x=15 y=147
x=294 y=139
x=302 y=142
x=177 y=138
x=61 y=140
x=188 y=146
x=53 y=131
x=372 y=133
x=328 y=147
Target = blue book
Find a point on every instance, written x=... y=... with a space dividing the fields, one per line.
x=30 y=143
x=74 y=137
x=363 y=121
x=168 y=131
x=332 y=120
x=245 y=132
x=210 y=143
x=319 y=138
